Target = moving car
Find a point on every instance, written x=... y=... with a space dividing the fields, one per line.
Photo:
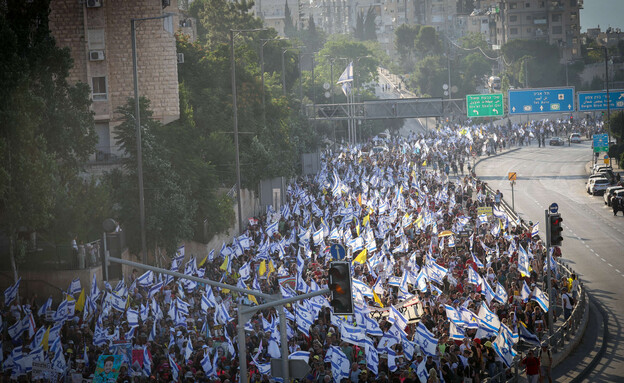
x=575 y=138
x=599 y=186
x=556 y=141
x=610 y=192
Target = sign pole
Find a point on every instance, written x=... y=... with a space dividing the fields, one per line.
x=284 y=343
x=550 y=297
x=513 y=205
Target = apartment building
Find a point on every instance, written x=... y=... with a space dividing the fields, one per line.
x=98 y=34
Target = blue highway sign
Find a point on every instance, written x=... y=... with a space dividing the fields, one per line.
x=553 y=208
x=601 y=142
x=589 y=101
x=543 y=100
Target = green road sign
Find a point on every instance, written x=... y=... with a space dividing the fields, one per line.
x=484 y=105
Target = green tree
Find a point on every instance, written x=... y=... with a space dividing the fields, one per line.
x=47 y=127
x=427 y=41
x=289 y=28
x=404 y=42
x=168 y=207
x=358 y=31
x=541 y=60
x=429 y=75
x=370 y=33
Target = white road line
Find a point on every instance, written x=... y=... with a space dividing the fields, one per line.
x=604 y=260
x=610 y=265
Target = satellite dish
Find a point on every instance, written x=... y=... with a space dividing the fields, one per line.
x=326 y=86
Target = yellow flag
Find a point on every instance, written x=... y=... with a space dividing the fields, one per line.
x=424 y=163
x=361 y=258
x=225 y=263
x=263 y=268
x=203 y=261
x=44 y=341
x=252 y=297
x=81 y=301
x=360 y=199
x=365 y=220
x=376 y=298
x=271 y=267
x=357 y=229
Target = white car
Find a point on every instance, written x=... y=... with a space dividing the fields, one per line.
x=591 y=181
x=609 y=192
x=599 y=186
x=575 y=138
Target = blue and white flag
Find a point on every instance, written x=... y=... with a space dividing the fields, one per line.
x=117 y=302
x=535 y=229
x=501 y=293
x=525 y=294
x=302 y=355
x=456 y=332
x=245 y=271
x=133 y=317
x=175 y=368
x=347 y=75
x=272 y=229
x=11 y=293
x=45 y=307
x=426 y=341
x=372 y=357
x=469 y=319
x=392 y=366
x=421 y=371
x=340 y=365
x=453 y=315
x=146 y=279
x=188 y=350
x=541 y=298
x=147 y=362
x=523 y=262
x=95 y=291
x=395 y=316
x=74 y=287
x=154 y=289
x=488 y=319
x=503 y=347
x=527 y=336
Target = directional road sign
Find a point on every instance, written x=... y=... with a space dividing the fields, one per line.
x=543 y=100
x=484 y=105
x=337 y=251
x=511 y=176
x=601 y=142
x=553 y=208
x=589 y=101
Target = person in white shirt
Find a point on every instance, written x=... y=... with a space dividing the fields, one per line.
x=566 y=304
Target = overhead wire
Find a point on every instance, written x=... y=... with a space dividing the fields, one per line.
x=482 y=52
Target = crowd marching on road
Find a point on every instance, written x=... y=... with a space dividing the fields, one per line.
x=446 y=284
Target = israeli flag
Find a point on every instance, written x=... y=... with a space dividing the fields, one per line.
x=340 y=365
x=503 y=348
x=456 y=332
x=302 y=355
x=347 y=75
x=525 y=335
x=206 y=364
x=523 y=262
x=426 y=340
x=95 y=292
x=453 y=315
x=146 y=279
x=155 y=289
x=74 y=287
x=272 y=229
x=317 y=237
x=421 y=372
x=147 y=362
x=133 y=317
x=488 y=319
x=395 y=316
x=535 y=230
x=175 y=368
x=245 y=271
x=469 y=319
x=372 y=357
x=117 y=302
x=525 y=294
x=45 y=307
x=501 y=293
x=541 y=298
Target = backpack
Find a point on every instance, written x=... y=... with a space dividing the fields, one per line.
x=572 y=302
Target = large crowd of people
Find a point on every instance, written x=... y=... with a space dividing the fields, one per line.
x=446 y=284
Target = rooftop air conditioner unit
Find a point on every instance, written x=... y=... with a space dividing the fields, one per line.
x=96 y=55
x=94 y=3
x=180 y=58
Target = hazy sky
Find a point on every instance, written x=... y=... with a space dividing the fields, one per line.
x=606 y=13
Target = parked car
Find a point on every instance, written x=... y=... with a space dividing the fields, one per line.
x=609 y=192
x=599 y=186
x=600 y=167
x=591 y=181
x=575 y=138
x=556 y=141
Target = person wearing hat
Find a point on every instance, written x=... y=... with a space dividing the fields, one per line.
x=545 y=359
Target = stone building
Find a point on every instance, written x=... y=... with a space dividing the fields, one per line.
x=98 y=34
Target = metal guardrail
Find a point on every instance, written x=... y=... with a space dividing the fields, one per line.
x=565 y=333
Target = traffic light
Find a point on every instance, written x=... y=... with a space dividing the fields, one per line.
x=340 y=286
x=556 y=231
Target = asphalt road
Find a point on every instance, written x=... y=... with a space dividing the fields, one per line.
x=593 y=238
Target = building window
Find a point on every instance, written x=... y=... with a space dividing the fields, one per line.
x=513 y=19
x=541 y=4
x=557 y=30
x=98 y=85
x=527 y=5
x=96 y=39
x=513 y=5
x=556 y=18
x=513 y=31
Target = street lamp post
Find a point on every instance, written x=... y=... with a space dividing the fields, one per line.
x=235 y=112
x=606 y=55
x=137 y=124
